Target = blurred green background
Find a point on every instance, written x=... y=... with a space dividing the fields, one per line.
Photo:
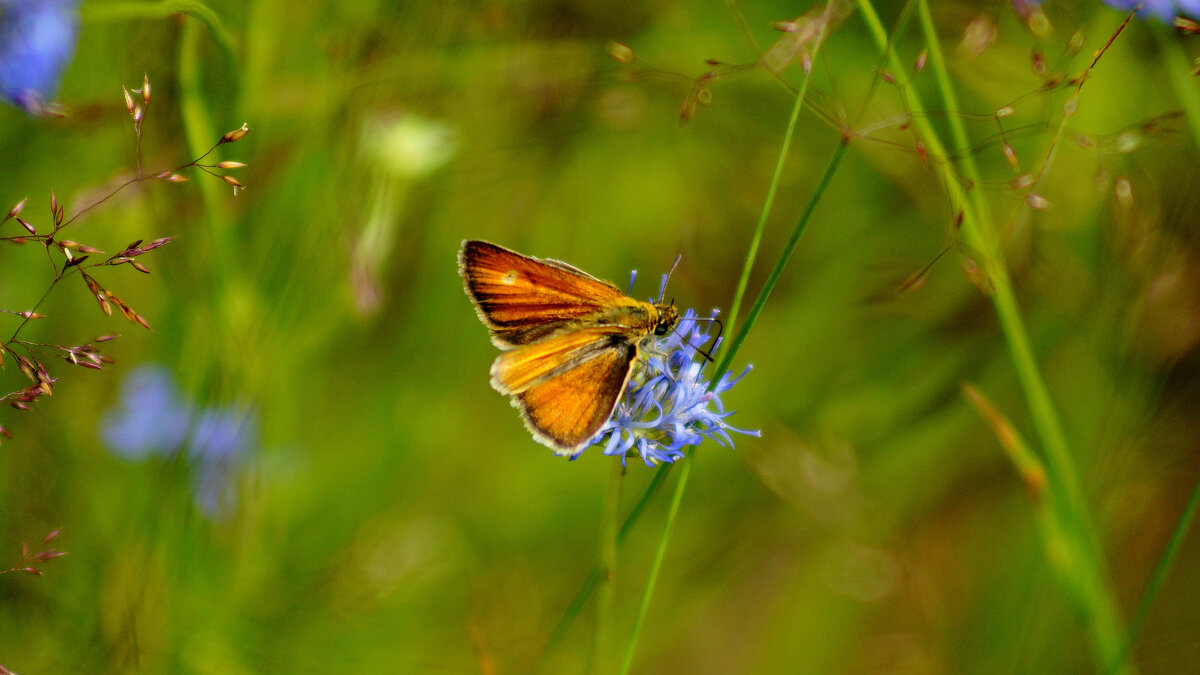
x=392 y=515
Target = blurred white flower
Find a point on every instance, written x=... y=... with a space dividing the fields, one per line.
x=408 y=145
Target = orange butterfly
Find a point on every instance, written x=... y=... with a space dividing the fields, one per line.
x=570 y=340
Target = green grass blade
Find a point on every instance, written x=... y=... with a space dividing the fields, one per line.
x=1159 y=575
x=752 y=252
x=1179 y=70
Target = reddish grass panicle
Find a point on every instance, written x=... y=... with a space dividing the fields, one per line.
x=68 y=257
x=31 y=562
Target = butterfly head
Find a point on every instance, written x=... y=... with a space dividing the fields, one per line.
x=668 y=318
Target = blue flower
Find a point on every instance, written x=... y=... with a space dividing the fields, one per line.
x=37 y=41
x=1163 y=9
x=668 y=405
x=152 y=419
x=221 y=441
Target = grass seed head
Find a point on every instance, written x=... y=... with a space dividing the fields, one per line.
x=14 y=211
x=235 y=135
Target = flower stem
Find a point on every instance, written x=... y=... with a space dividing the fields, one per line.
x=755 y=310
x=593 y=579
x=752 y=253
x=788 y=249
x=607 y=566
x=659 y=554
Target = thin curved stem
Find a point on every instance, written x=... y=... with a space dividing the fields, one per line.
x=124 y=11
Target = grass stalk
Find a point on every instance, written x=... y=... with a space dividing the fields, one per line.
x=656 y=565
x=785 y=255
x=1160 y=573
x=743 y=330
x=593 y=579
x=1083 y=558
x=752 y=253
x=751 y=317
x=125 y=11
x=607 y=565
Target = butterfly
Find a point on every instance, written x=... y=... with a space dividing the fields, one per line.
x=570 y=340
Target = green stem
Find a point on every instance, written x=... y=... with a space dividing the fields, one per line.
x=1179 y=69
x=659 y=476
x=607 y=566
x=197 y=125
x=200 y=133
x=788 y=249
x=755 y=310
x=659 y=554
x=985 y=236
x=752 y=254
x=971 y=227
x=593 y=579
x=1160 y=574
x=124 y=11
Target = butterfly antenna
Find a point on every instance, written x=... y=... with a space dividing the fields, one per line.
x=716 y=340
x=706 y=354
x=663 y=289
x=720 y=328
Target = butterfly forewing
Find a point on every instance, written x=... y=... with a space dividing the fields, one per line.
x=523 y=299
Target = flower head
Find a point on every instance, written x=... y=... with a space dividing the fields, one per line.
x=37 y=40
x=668 y=404
x=1162 y=9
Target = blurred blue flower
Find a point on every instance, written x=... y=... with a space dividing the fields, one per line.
x=668 y=405
x=152 y=419
x=37 y=41
x=221 y=442
x=1163 y=9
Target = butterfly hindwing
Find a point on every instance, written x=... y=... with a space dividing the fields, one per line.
x=526 y=366
x=566 y=395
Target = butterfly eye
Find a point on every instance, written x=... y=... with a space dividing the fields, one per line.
x=668 y=317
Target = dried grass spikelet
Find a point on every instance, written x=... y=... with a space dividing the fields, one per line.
x=235 y=135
